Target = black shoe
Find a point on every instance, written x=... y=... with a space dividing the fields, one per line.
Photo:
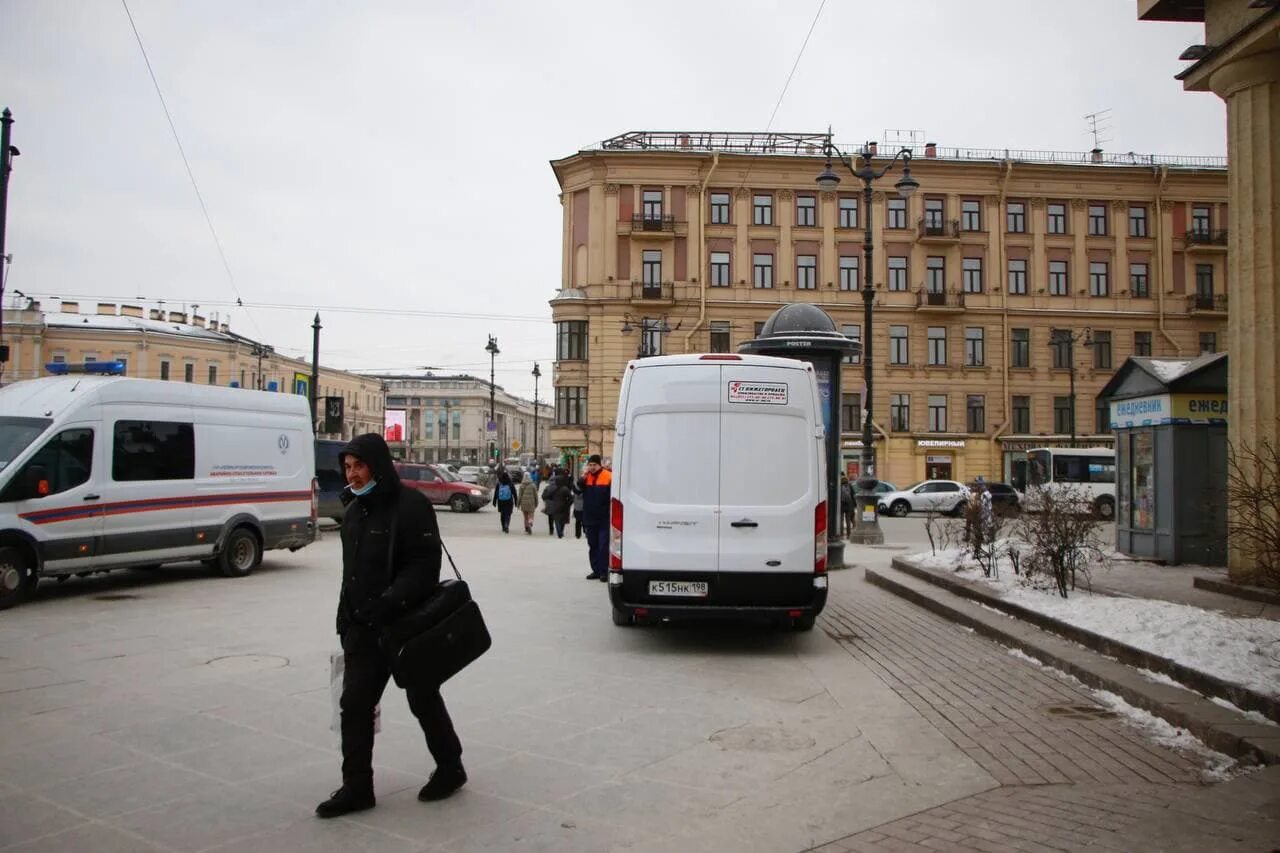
x=602 y=577
x=443 y=783
x=344 y=801
x=592 y=576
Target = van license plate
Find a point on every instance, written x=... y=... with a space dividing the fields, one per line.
x=694 y=589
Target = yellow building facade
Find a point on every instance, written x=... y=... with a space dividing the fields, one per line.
x=178 y=347
x=687 y=242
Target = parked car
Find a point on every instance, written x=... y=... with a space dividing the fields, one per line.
x=929 y=496
x=1003 y=495
x=438 y=484
x=471 y=473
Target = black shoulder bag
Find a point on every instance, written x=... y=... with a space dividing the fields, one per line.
x=437 y=639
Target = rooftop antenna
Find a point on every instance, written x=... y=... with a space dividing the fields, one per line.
x=1099 y=124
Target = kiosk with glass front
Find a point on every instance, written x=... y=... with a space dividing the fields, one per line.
x=1170 y=421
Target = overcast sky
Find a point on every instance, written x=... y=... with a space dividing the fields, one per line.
x=366 y=155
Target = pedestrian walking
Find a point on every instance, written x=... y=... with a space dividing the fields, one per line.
x=504 y=498
x=547 y=491
x=384 y=577
x=846 y=504
x=595 y=487
x=558 y=500
x=577 y=514
x=527 y=499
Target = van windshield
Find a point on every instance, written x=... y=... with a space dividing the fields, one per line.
x=16 y=434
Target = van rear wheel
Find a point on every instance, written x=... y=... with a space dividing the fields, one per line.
x=17 y=577
x=241 y=553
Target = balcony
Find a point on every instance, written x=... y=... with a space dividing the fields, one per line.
x=931 y=230
x=1207 y=239
x=1213 y=304
x=658 y=291
x=653 y=227
x=949 y=301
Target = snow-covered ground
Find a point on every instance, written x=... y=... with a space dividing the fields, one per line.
x=1239 y=650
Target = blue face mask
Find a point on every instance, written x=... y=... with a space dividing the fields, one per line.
x=368 y=487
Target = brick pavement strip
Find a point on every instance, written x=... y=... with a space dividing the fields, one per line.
x=1068 y=781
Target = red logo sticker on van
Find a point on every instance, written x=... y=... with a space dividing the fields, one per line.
x=769 y=393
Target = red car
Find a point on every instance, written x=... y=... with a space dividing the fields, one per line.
x=438 y=484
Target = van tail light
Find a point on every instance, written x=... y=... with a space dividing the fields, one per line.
x=820 y=538
x=615 y=535
x=315 y=500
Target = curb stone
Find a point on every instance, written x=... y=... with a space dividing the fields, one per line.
x=1218 y=727
x=1249 y=593
x=1200 y=682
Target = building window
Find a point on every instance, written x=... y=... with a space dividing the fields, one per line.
x=898 y=345
x=933 y=213
x=976 y=413
x=1017 y=276
x=900 y=412
x=164 y=368
x=1102 y=350
x=213 y=374
x=849 y=272
x=806 y=272
x=720 y=269
x=848 y=213
x=1064 y=416
x=806 y=211
x=850 y=412
x=1137 y=220
x=759 y=327
x=1099 y=283
x=1097 y=220
x=1101 y=418
x=1142 y=343
x=1019 y=347
x=1058 y=279
x=937 y=413
x=721 y=336
x=898 y=272
x=571 y=340
x=124 y=365
x=1016 y=217
x=762 y=269
x=1208 y=342
x=1204 y=281
x=651 y=338
x=970 y=215
x=652 y=201
x=90 y=357
x=1057 y=221
x=651 y=267
x=762 y=210
x=1062 y=345
x=897 y=217
x=853 y=333
x=975 y=346
x=243 y=377
x=720 y=209
x=971 y=271
x=188 y=372
x=571 y=406
x=1139 y=283
x=937 y=354
x=1021 y=415
x=429 y=423
x=936 y=274
x=1200 y=220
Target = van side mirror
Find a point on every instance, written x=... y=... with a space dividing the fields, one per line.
x=35 y=481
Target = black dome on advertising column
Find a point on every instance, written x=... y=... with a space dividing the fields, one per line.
x=799 y=326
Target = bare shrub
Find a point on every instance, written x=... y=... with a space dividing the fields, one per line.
x=983 y=529
x=1063 y=539
x=1253 y=503
x=944 y=533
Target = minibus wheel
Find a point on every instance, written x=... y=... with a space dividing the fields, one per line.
x=241 y=553
x=17 y=577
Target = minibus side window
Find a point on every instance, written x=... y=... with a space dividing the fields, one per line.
x=153 y=450
x=67 y=459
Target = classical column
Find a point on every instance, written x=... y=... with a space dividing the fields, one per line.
x=1251 y=88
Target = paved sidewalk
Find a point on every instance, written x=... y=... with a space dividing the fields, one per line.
x=1132 y=579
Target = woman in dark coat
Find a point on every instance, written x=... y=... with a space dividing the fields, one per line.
x=504 y=498
x=560 y=501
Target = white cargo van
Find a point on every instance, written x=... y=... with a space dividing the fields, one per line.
x=101 y=472
x=719 y=490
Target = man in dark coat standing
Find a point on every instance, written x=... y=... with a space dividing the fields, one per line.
x=595 y=486
x=382 y=579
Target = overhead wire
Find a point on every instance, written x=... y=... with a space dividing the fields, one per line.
x=185 y=162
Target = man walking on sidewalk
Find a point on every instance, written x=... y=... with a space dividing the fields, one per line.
x=595 y=486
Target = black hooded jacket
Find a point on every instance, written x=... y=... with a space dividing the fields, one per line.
x=372 y=590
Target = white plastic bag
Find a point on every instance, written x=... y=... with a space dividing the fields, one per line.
x=337 y=666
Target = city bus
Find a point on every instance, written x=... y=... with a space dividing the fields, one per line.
x=1090 y=469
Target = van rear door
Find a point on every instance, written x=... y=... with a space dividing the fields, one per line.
x=672 y=437
x=769 y=474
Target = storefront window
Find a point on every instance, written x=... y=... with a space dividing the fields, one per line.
x=1142 y=481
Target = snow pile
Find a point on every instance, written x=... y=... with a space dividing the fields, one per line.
x=1238 y=650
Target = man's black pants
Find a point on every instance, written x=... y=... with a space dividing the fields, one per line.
x=364 y=679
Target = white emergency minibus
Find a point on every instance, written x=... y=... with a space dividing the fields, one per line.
x=1090 y=469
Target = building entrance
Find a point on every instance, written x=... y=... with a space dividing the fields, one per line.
x=937 y=467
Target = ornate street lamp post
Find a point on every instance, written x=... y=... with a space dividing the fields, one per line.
x=536 y=373
x=492 y=349
x=867 y=531
x=1064 y=339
